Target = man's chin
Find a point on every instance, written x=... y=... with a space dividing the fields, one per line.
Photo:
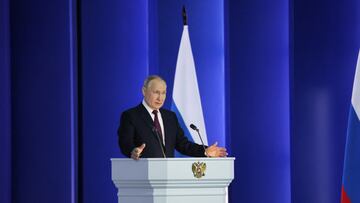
x=158 y=106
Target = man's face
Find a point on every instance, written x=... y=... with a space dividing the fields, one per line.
x=155 y=94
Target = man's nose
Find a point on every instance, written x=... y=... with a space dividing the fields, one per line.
x=160 y=98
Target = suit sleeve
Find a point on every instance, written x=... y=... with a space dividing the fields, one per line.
x=126 y=133
x=184 y=146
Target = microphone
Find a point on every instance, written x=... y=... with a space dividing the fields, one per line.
x=192 y=126
x=160 y=141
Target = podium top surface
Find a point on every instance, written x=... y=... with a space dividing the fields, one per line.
x=176 y=159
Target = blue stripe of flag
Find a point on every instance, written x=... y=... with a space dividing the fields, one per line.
x=182 y=125
x=351 y=178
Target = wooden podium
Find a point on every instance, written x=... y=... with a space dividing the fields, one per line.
x=172 y=180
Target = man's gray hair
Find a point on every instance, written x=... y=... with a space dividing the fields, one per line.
x=150 y=78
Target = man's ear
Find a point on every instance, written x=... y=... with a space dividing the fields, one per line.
x=143 y=91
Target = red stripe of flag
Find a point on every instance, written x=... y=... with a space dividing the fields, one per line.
x=344 y=197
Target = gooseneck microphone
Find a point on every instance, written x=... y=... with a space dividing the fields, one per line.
x=192 y=126
x=160 y=141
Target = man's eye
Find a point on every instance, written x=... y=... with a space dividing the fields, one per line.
x=159 y=93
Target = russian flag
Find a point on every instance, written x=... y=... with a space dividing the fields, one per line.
x=351 y=175
x=186 y=101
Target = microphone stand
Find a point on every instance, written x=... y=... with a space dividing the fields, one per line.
x=160 y=142
x=202 y=142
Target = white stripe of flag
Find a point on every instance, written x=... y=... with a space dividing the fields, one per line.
x=355 y=99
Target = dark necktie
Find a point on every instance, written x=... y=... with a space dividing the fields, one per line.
x=157 y=125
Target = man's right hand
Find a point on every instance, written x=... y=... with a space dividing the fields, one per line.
x=136 y=152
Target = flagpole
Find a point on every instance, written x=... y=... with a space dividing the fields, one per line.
x=184 y=15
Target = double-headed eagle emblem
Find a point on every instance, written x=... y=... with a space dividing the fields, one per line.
x=198 y=169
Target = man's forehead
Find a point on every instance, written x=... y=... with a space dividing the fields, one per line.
x=157 y=83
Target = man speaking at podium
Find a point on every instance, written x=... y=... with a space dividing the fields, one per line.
x=150 y=131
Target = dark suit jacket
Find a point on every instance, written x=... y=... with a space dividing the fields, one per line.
x=136 y=127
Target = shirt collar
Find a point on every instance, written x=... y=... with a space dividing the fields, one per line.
x=148 y=108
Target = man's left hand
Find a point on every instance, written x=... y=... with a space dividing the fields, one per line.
x=215 y=151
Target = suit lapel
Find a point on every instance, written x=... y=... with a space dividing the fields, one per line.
x=166 y=128
x=145 y=116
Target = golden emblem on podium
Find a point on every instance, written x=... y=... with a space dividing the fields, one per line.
x=198 y=169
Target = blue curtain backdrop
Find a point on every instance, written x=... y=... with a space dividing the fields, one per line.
x=258 y=62
x=5 y=104
x=275 y=79
x=41 y=100
x=325 y=38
